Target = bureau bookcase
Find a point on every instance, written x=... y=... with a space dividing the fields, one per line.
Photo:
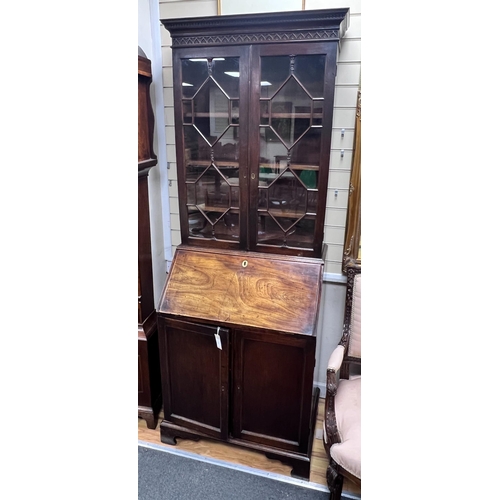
x=253 y=104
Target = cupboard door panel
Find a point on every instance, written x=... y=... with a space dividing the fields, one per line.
x=273 y=389
x=195 y=376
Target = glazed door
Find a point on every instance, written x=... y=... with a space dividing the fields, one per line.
x=195 y=376
x=272 y=389
x=211 y=86
x=292 y=108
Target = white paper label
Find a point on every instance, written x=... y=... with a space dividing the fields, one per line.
x=217 y=339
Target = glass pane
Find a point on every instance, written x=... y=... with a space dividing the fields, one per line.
x=264 y=112
x=287 y=196
x=228 y=228
x=285 y=232
x=274 y=71
x=235 y=112
x=187 y=112
x=291 y=110
x=317 y=118
x=211 y=111
x=196 y=149
x=226 y=158
x=305 y=153
x=273 y=156
x=312 y=201
x=214 y=225
x=193 y=72
x=212 y=192
x=226 y=72
x=310 y=71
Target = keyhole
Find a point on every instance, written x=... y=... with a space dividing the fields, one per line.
x=244 y=263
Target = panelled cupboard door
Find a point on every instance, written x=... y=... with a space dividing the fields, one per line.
x=195 y=376
x=272 y=389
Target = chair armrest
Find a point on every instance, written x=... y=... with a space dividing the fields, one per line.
x=332 y=380
x=336 y=358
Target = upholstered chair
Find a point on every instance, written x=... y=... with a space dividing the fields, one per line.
x=342 y=422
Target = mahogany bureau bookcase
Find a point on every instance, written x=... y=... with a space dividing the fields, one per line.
x=253 y=104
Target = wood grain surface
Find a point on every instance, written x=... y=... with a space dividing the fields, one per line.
x=244 y=288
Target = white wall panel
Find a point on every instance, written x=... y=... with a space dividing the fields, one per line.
x=339 y=161
x=354 y=5
x=346 y=97
x=174 y=205
x=172 y=188
x=168 y=78
x=166 y=39
x=166 y=54
x=344 y=117
x=169 y=115
x=176 y=237
x=339 y=179
x=172 y=171
x=168 y=96
x=339 y=201
x=334 y=235
x=335 y=252
x=188 y=8
x=170 y=133
x=333 y=268
x=335 y=216
x=348 y=73
x=351 y=50
x=354 y=30
x=176 y=224
x=346 y=142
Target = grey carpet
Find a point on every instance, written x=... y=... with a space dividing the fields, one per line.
x=164 y=476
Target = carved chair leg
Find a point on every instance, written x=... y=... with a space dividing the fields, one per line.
x=335 y=482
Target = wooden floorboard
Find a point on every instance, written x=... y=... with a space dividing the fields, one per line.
x=250 y=458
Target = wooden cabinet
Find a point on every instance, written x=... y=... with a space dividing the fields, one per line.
x=253 y=100
x=149 y=381
x=237 y=344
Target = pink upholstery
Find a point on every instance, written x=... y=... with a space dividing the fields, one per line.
x=347 y=453
x=354 y=349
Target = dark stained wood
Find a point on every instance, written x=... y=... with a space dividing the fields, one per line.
x=149 y=381
x=193 y=365
x=147 y=156
x=149 y=378
x=249 y=37
x=237 y=319
x=288 y=361
x=146 y=299
x=270 y=293
x=256 y=390
x=270 y=27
